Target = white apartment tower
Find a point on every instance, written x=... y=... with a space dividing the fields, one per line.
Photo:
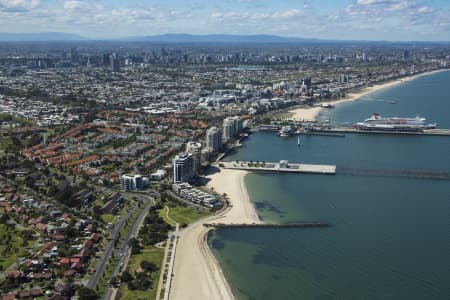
x=213 y=139
x=229 y=129
x=238 y=124
x=195 y=149
x=132 y=182
x=182 y=167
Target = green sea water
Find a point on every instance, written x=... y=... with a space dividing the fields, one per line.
x=390 y=236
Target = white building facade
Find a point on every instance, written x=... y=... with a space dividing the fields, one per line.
x=182 y=167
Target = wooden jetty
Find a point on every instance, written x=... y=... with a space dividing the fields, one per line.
x=263 y=225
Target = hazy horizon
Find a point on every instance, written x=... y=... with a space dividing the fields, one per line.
x=368 y=20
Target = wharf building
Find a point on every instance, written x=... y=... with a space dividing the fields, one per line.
x=214 y=139
x=195 y=149
x=182 y=167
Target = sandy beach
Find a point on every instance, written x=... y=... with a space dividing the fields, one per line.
x=311 y=113
x=197 y=274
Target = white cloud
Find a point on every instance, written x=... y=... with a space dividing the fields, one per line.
x=374 y=2
x=18 y=5
x=277 y=15
x=75 y=5
x=98 y=17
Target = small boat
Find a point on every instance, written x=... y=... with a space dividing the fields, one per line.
x=285 y=131
x=327 y=105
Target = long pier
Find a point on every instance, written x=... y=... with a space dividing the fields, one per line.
x=282 y=166
x=263 y=225
x=433 y=132
x=410 y=174
x=378 y=100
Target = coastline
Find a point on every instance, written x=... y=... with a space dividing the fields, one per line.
x=197 y=273
x=311 y=113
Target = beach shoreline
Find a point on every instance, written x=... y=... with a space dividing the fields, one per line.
x=311 y=113
x=197 y=273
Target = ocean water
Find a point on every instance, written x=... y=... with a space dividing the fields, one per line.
x=390 y=236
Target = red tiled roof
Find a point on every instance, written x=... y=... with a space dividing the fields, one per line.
x=9 y=296
x=64 y=261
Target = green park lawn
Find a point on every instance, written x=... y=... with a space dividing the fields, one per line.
x=9 y=252
x=150 y=254
x=183 y=215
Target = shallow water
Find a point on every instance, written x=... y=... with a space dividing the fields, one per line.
x=390 y=237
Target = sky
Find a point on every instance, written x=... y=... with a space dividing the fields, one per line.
x=392 y=20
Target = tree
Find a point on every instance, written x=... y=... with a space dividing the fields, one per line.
x=126 y=276
x=29 y=182
x=87 y=294
x=4 y=218
x=142 y=282
x=133 y=242
x=27 y=234
x=136 y=249
x=148 y=266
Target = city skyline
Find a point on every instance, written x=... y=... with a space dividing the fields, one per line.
x=390 y=20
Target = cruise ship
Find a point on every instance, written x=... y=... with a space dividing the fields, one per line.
x=376 y=122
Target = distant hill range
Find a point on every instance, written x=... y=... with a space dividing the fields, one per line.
x=188 y=38
x=219 y=38
x=164 y=38
x=39 y=37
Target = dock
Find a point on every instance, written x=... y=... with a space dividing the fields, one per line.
x=428 y=132
x=282 y=166
x=321 y=133
x=262 y=225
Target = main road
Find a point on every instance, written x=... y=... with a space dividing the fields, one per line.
x=123 y=249
x=103 y=260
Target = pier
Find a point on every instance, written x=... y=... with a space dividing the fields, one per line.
x=410 y=174
x=324 y=129
x=378 y=100
x=282 y=166
x=262 y=225
x=343 y=130
x=321 y=133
